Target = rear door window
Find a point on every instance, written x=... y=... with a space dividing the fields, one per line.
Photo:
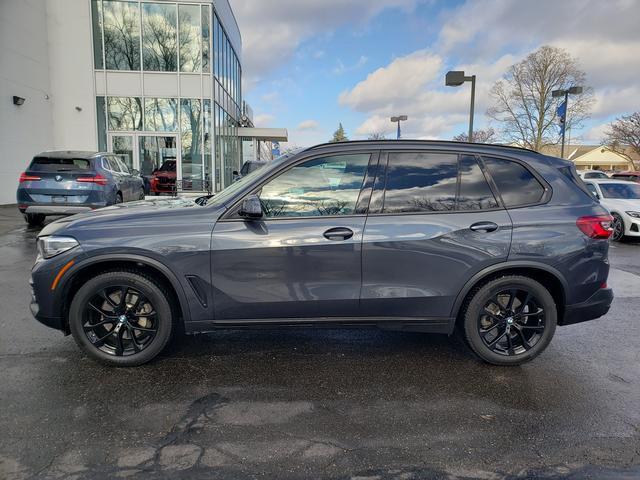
x=436 y=182
x=52 y=164
x=421 y=182
x=517 y=185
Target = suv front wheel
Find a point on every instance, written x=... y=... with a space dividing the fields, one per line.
x=510 y=320
x=121 y=318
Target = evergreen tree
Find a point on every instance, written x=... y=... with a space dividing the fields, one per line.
x=339 y=135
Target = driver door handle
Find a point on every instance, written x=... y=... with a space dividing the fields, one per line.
x=484 y=227
x=338 y=233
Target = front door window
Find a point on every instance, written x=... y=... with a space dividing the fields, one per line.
x=320 y=187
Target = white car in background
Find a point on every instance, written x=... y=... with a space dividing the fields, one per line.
x=592 y=175
x=622 y=199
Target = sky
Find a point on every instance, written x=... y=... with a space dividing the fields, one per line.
x=311 y=64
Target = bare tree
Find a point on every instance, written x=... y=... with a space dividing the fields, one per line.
x=623 y=136
x=377 y=136
x=522 y=100
x=479 y=136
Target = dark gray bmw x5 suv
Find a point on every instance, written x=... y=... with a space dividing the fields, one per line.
x=422 y=236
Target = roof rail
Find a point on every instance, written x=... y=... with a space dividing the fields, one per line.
x=427 y=142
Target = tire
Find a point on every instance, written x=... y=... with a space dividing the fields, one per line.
x=118 y=198
x=618 y=228
x=34 y=219
x=526 y=327
x=141 y=195
x=102 y=333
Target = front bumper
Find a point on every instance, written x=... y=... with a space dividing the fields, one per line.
x=51 y=322
x=594 y=307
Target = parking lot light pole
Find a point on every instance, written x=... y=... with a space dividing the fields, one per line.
x=565 y=94
x=401 y=118
x=455 y=78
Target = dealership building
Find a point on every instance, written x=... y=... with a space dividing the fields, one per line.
x=149 y=80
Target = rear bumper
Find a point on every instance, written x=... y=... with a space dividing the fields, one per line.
x=58 y=209
x=595 y=307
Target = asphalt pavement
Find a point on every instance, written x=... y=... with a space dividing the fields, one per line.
x=315 y=403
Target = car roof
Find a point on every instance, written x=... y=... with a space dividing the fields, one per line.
x=70 y=154
x=462 y=147
x=609 y=180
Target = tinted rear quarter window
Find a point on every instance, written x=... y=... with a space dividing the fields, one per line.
x=421 y=182
x=475 y=193
x=516 y=184
x=52 y=164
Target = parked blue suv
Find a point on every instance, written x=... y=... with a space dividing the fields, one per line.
x=501 y=242
x=70 y=182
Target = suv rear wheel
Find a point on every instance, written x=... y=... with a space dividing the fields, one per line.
x=34 y=219
x=121 y=318
x=510 y=320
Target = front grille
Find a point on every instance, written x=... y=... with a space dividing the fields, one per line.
x=165 y=180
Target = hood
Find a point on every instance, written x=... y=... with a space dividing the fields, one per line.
x=132 y=213
x=621 y=204
x=165 y=174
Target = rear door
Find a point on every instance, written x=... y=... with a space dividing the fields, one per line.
x=57 y=182
x=433 y=223
x=110 y=163
x=303 y=258
x=127 y=180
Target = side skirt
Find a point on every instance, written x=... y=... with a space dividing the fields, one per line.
x=406 y=324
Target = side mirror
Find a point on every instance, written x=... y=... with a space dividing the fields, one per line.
x=135 y=173
x=251 y=207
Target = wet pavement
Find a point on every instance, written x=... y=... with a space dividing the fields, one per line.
x=306 y=403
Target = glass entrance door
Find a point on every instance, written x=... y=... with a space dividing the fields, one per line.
x=158 y=156
x=122 y=145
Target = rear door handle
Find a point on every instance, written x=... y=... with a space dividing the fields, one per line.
x=484 y=227
x=338 y=233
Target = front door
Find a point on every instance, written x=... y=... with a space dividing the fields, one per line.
x=434 y=223
x=303 y=258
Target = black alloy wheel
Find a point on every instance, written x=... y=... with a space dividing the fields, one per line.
x=121 y=318
x=120 y=321
x=618 y=228
x=510 y=320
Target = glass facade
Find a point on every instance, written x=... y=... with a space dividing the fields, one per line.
x=197 y=127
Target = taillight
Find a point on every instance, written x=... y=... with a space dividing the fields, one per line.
x=99 y=179
x=24 y=177
x=597 y=226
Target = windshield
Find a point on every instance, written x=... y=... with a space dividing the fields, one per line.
x=628 y=191
x=225 y=194
x=168 y=166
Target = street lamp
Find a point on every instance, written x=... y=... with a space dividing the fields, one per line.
x=562 y=109
x=455 y=78
x=401 y=118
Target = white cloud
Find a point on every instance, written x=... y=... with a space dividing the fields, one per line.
x=263 y=120
x=403 y=78
x=272 y=30
x=342 y=68
x=595 y=134
x=603 y=36
x=308 y=125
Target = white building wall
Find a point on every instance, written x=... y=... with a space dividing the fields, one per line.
x=71 y=75
x=24 y=71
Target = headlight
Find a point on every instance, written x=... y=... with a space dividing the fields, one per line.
x=633 y=214
x=51 y=246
